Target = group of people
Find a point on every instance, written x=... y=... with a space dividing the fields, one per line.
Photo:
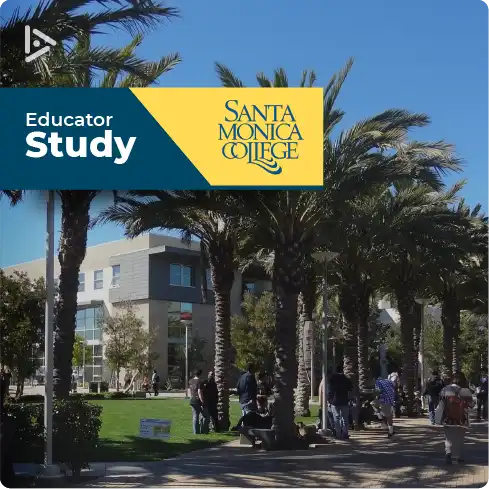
x=203 y=401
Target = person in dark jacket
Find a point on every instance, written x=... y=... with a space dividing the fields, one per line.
x=247 y=391
x=211 y=397
x=338 y=397
x=433 y=388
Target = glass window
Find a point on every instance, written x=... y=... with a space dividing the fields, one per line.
x=90 y=323
x=185 y=307
x=187 y=276
x=98 y=279
x=175 y=353
x=250 y=287
x=90 y=312
x=97 y=334
x=81 y=314
x=81 y=282
x=97 y=361
x=116 y=275
x=176 y=331
x=89 y=334
x=181 y=275
x=97 y=350
x=175 y=274
x=99 y=312
x=174 y=307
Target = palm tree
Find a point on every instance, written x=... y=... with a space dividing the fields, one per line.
x=461 y=284
x=418 y=224
x=14 y=196
x=197 y=214
x=66 y=21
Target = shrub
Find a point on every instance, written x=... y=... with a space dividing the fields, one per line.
x=76 y=427
x=117 y=395
x=29 y=398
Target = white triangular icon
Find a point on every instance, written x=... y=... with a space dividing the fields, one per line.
x=36 y=43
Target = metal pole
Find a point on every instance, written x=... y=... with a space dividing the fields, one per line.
x=421 y=354
x=186 y=361
x=325 y=345
x=312 y=360
x=48 y=335
x=83 y=371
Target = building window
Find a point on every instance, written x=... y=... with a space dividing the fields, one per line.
x=175 y=354
x=179 y=318
x=250 y=287
x=208 y=276
x=98 y=279
x=181 y=275
x=81 y=282
x=116 y=275
x=89 y=323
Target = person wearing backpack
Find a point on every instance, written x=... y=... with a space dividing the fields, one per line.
x=455 y=401
x=433 y=389
x=482 y=396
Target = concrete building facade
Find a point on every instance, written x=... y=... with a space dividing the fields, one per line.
x=161 y=276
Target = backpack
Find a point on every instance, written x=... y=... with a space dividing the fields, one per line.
x=157 y=378
x=454 y=410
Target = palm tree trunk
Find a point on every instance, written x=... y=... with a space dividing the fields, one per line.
x=364 y=372
x=407 y=312
x=448 y=319
x=348 y=306
x=222 y=277
x=285 y=368
x=456 y=340
x=303 y=383
x=75 y=217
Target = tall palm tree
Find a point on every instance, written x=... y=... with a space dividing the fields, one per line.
x=14 y=196
x=66 y=21
x=418 y=224
x=197 y=214
x=461 y=284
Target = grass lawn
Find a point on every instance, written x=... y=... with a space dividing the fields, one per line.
x=120 y=430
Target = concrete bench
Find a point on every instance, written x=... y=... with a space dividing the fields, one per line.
x=252 y=435
x=139 y=395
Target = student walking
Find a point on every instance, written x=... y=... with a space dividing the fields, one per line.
x=482 y=396
x=453 y=414
x=155 y=381
x=433 y=389
x=387 y=401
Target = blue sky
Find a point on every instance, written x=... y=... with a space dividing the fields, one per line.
x=424 y=55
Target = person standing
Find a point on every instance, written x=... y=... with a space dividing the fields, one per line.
x=155 y=381
x=387 y=401
x=482 y=396
x=247 y=391
x=395 y=378
x=457 y=399
x=196 y=386
x=211 y=396
x=433 y=388
x=338 y=397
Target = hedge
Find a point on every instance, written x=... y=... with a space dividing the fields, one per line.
x=76 y=427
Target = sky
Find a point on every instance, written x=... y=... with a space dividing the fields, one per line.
x=427 y=56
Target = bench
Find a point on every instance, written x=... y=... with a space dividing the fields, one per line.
x=139 y=395
x=252 y=435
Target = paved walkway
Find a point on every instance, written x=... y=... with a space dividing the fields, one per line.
x=414 y=457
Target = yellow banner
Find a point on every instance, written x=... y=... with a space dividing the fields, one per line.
x=244 y=137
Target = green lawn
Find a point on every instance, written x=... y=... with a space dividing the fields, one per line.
x=120 y=430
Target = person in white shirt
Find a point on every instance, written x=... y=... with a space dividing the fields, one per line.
x=396 y=380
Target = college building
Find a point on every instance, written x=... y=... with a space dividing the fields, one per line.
x=161 y=276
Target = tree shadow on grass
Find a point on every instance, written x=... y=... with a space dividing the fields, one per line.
x=136 y=449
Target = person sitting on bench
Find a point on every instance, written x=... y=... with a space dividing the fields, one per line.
x=252 y=419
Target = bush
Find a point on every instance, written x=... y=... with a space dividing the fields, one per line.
x=117 y=395
x=29 y=398
x=76 y=427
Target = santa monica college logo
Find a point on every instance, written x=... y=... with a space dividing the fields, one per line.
x=262 y=135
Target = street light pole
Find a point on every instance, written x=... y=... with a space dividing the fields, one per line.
x=423 y=302
x=186 y=360
x=325 y=257
x=311 y=332
x=49 y=469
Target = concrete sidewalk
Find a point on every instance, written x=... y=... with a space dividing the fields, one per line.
x=414 y=457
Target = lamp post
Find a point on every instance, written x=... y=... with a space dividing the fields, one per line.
x=187 y=327
x=49 y=470
x=325 y=257
x=313 y=348
x=423 y=302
